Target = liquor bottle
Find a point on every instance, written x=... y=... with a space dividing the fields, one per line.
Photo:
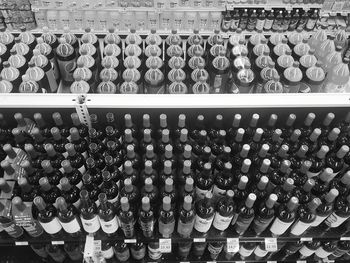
x=47 y=216
x=322 y=182
x=309 y=249
x=59 y=141
x=285 y=217
x=204 y=214
x=127 y=218
x=265 y=214
x=204 y=182
x=318 y=162
x=68 y=217
x=94 y=172
x=48 y=192
x=88 y=213
x=74 y=175
x=326 y=208
x=335 y=160
x=107 y=216
x=146 y=218
x=225 y=209
x=55 y=158
x=306 y=215
x=70 y=192
x=245 y=215
x=223 y=181
x=80 y=144
x=91 y=188
x=54 y=175
x=131 y=192
x=168 y=190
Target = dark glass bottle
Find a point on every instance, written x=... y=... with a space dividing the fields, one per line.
x=132 y=193
x=59 y=123
x=181 y=124
x=53 y=174
x=223 y=181
x=335 y=160
x=279 y=157
x=54 y=157
x=107 y=216
x=264 y=214
x=90 y=187
x=80 y=144
x=204 y=214
x=35 y=157
x=83 y=129
x=130 y=172
x=127 y=218
x=94 y=172
x=48 y=192
x=204 y=181
x=245 y=215
x=146 y=218
x=322 y=183
x=74 y=175
x=96 y=154
x=68 y=216
x=59 y=141
x=151 y=192
x=28 y=191
x=304 y=193
x=33 y=175
x=288 y=128
x=88 y=213
x=166 y=218
x=70 y=192
x=225 y=209
x=318 y=161
x=241 y=190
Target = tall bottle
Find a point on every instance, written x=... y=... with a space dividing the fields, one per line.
x=107 y=216
x=204 y=214
x=6 y=220
x=88 y=213
x=219 y=73
x=225 y=209
x=127 y=218
x=146 y=218
x=66 y=59
x=68 y=216
x=166 y=218
x=265 y=214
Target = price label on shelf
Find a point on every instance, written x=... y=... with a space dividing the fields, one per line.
x=21 y=243
x=165 y=245
x=301 y=261
x=271 y=244
x=130 y=241
x=271 y=261
x=199 y=240
x=306 y=239
x=232 y=245
x=345 y=238
x=57 y=242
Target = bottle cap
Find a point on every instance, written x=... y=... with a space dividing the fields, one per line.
x=166 y=203
x=167 y=167
x=326 y=175
x=187 y=151
x=245 y=150
x=128 y=185
x=169 y=185
x=333 y=135
x=65 y=185
x=293 y=203
x=250 y=200
x=342 y=151
x=332 y=194
x=168 y=151
x=264 y=180
x=270 y=202
x=148 y=185
x=128 y=167
x=39 y=203
x=285 y=166
x=146 y=206
x=9 y=151
x=187 y=203
x=246 y=165
x=288 y=185
x=124 y=202
x=242 y=182
x=189 y=184
x=6 y=166
x=346 y=178
x=309 y=119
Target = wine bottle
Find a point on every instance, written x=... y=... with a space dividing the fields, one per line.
x=341 y=249
x=204 y=214
x=107 y=216
x=233 y=130
x=42 y=125
x=297 y=159
x=205 y=156
x=265 y=214
x=222 y=182
x=127 y=218
x=68 y=216
x=200 y=143
x=56 y=253
x=59 y=141
x=309 y=249
x=246 y=249
x=244 y=171
x=138 y=251
x=260 y=252
x=240 y=191
x=116 y=155
x=181 y=124
x=277 y=177
x=225 y=209
x=88 y=213
x=94 y=172
x=306 y=129
x=146 y=141
x=96 y=133
x=76 y=159
x=204 y=182
x=186 y=155
x=91 y=188
x=215 y=249
x=278 y=158
x=21 y=138
x=47 y=217
x=341 y=184
x=53 y=174
x=255 y=142
x=168 y=155
x=243 y=154
x=146 y=218
x=322 y=183
x=304 y=193
x=237 y=142
x=70 y=192
x=149 y=172
x=291 y=248
x=166 y=218
x=150 y=191
x=80 y=144
x=318 y=162
x=55 y=158
x=122 y=251
x=330 y=139
x=306 y=216
x=169 y=190
x=28 y=191
x=74 y=175
x=165 y=140
x=96 y=154
x=216 y=127
x=284 y=218
x=284 y=192
x=57 y=118
x=264 y=170
x=293 y=141
x=131 y=193
x=6 y=220
x=39 y=140
x=250 y=131
x=312 y=141
x=111 y=122
x=245 y=215
x=47 y=191
x=181 y=142
x=325 y=250
x=9 y=172
x=35 y=157
x=340 y=213
x=335 y=160
x=83 y=129
x=259 y=156
x=20 y=211
x=260 y=189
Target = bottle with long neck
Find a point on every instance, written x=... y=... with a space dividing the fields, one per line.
x=48 y=192
x=265 y=214
x=278 y=177
x=127 y=218
x=225 y=209
x=74 y=175
x=35 y=157
x=186 y=218
x=55 y=158
x=59 y=141
x=204 y=182
x=342 y=184
x=166 y=218
x=245 y=215
x=80 y=144
x=75 y=158
x=318 y=162
x=285 y=217
x=6 y=220
x=335 y=160
x=88 y=213
x=204 y=214
x=47 y=216
x=132 y=193
x=107 y=216
x=92 y=189
x=322 y=183
x=68 y=216
x=304 y=193
x=223 y=182
x=146 y=218
x=70 y=192
x=53 y=174
x=340 y=214
x=28 y=191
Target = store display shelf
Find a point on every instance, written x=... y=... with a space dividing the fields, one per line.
x=270 y=6
x=212 y=236
x=19 y=100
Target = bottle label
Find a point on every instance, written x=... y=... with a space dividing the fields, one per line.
x=13 y=230
x=185 y=229
x=245 y=252
x=234 y=23
x=318 y=220
x=34 y=229
x=107 y=254
x=215 y=250
x=226 y=24
x=260 y=224
x=154 y=253
x=334 y=220
x=260 y=252
x=203 y=224
x=221 y=222
x=279 y=227
x=306 y=252
x=218 y=193
x=128 y=229
x=260 y=24
x=321 y=253
x=268 y=24
x=109 y=227
x=200 y=194
x=52 y=227
x=91 y=225
x=147 y=228
x=242 y=224
x=166 y=229
x=71 y=227
x=299 y=228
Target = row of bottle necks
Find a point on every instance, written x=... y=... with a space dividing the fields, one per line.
x=121 y=252
x=320 y=192
x=246 y=19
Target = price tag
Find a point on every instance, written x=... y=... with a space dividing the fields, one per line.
x=35 y=9
x=301 y=261
x=306 y=239
x=165 y=245
x=225 y=35
x=23 y=220
x=271 y=244
x=21 y=243
x=211 y=261
x=57 y=242
x=199 y=240
x=98 y=248
x=130 y=241
x=232 y=245
x=271 y=261
x=345 y=238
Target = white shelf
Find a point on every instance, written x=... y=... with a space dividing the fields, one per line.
x=38 y=100
x=269 y=6
x=218 y=101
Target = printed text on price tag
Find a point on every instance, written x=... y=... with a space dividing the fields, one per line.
x=165 y=245
x=232 y=245
x=271 y=244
